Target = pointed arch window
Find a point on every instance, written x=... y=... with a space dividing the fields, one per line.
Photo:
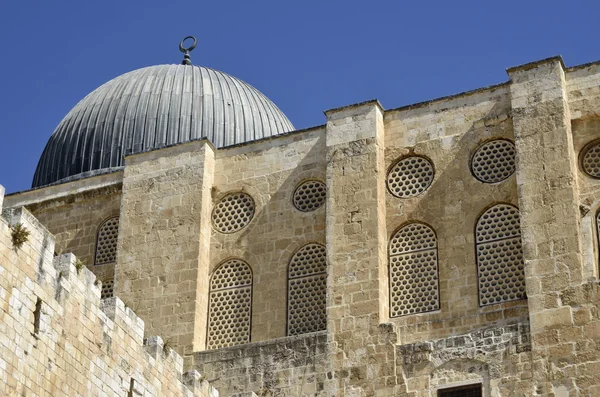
x=413 y=266
x=230 y=305
x=500 y=268
x=307 y=289
x=106 y=241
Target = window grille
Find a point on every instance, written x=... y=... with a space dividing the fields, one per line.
x=500 y=266
x=107 y=289
x=230 y=304
x=590 y=159
x=233 y=212
x=307 y=288
x=494 y=161
x=309 y=196
x=410 y=176
x=413 y=265
x=106 y=241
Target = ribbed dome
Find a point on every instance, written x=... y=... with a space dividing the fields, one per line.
x=151 y=108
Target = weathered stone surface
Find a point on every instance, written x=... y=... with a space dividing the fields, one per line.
x=544 y=342
x=58 y=339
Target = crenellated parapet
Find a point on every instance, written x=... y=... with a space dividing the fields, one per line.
x=54 y=324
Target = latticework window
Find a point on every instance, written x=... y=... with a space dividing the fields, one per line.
x=494 y=161
x=106 y=242
x=230 y=304
x=413 y=263
x=107 y=289
x=499 y=255
x=410 y=176
x=309 y=195
x=233 y=212
x=307 y=287
x=590 y=159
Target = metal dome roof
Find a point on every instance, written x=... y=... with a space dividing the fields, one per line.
x=154 y=107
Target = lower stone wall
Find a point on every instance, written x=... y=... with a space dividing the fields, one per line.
x=497 y=357
x=291 y=366
x=567 y=348
x=57 y=338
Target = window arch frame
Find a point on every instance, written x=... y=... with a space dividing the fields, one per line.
x=97 y=242
x=314 y=275
x=477 y=244
x=437 y=267
x=211 y=290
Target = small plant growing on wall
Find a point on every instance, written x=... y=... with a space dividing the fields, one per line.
x=80 y=264
x=167 y=346
x=19 y=235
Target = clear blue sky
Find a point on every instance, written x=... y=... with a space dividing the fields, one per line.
x=307 y=56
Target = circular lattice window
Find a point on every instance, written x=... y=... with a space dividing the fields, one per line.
x=309 y=195
x=233 y=212
x=494 y=161
x=590 y=159
x=410 y=176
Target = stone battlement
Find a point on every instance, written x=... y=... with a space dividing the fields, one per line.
x=58 y=338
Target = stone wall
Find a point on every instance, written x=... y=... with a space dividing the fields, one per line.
x=58 y=339
x=447 y=131
x=161 y=266
x=561 y=295
x=547 y=344
x=74 y=219
x=291 y=366
x=496 y=357
x=269 y=172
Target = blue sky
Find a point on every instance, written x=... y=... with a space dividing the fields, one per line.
x=307 y=56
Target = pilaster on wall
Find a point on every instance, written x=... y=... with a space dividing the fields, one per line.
x=356 y=251
x=1 y=197
x=162 y=263
x=548 y=198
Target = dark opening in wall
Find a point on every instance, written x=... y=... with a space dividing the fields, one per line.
x=461 y=391
x=37 y=314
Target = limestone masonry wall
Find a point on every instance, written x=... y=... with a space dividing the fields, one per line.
x=270 y=172
x=58 y=339
x=292 y=366
x=447 y=132
x=74 y=223
x=407 y=314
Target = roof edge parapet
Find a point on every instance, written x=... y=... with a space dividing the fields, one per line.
x=355 y=105
x=534 y=64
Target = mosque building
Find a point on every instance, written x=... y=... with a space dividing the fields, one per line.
x=182 y=238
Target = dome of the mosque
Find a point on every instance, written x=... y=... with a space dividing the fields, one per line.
x=151 y=108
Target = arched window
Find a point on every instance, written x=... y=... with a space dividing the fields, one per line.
x=106 y=241
x=413 y=262
x=107 y=289
x=307 y=289
x=499 y=255
x=229 y=305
